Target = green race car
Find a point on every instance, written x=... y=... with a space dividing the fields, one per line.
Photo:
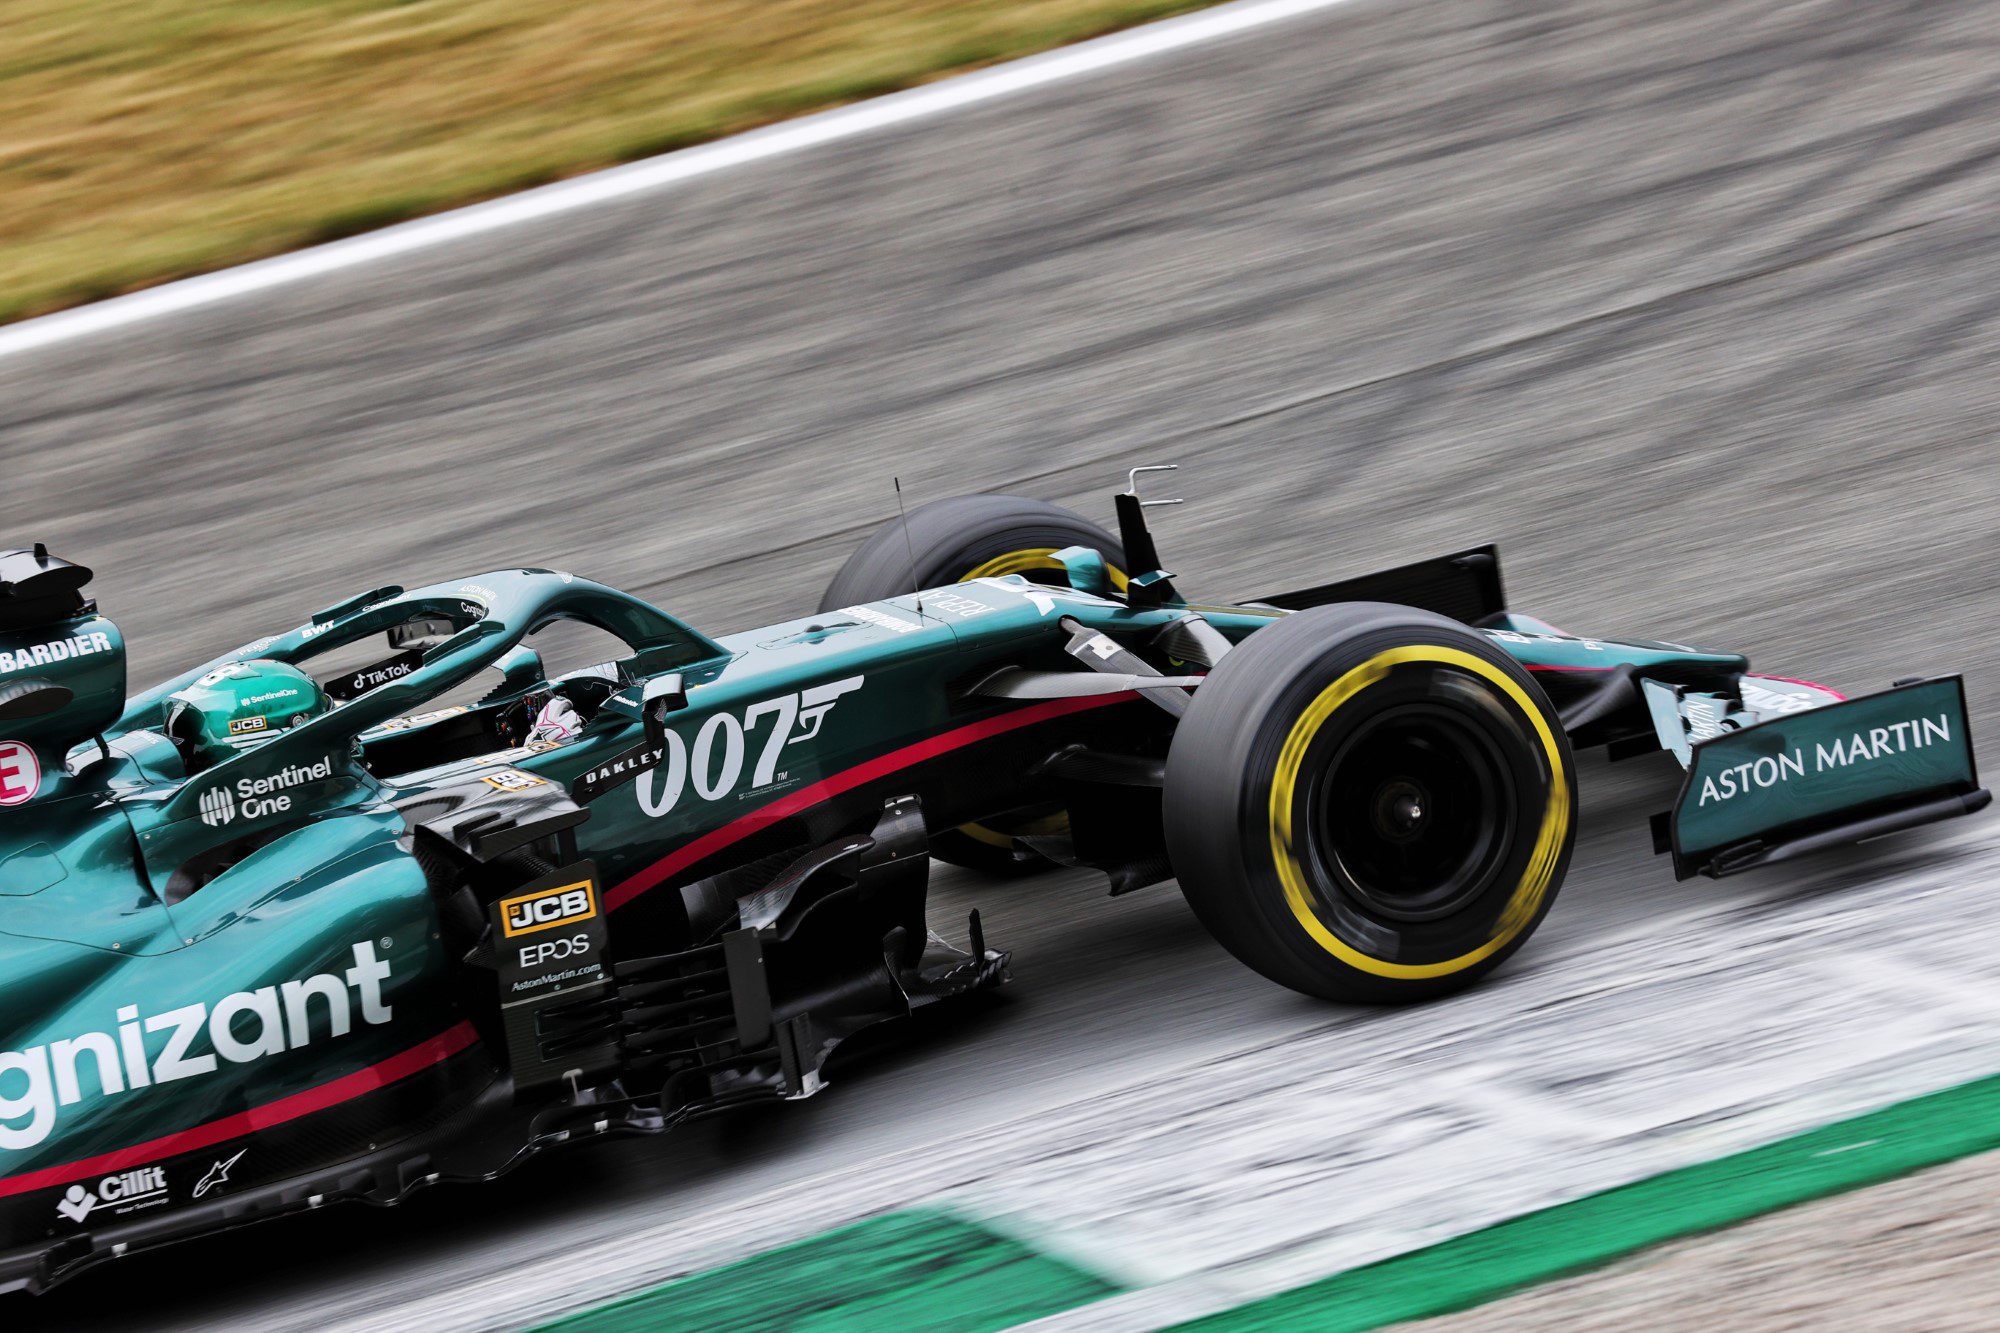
x=275 y=934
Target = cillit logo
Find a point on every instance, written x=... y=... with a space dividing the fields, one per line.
x=120 y=1193
x=217 y=806
x=20 y=773
x=548 y=908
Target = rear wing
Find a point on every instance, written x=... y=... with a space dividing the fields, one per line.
x=1822 y=778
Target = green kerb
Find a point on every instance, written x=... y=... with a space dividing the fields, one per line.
x=1475 y=1268
x=913 y=1269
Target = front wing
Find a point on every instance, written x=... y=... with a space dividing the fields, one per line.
x=1823 y=777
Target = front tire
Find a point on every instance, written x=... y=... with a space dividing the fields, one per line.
x=1370 y=803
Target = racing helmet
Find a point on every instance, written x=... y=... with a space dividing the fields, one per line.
x=238 y=706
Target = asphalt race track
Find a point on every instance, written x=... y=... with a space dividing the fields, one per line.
x=1688 y=305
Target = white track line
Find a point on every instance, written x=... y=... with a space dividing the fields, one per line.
x=662 y=172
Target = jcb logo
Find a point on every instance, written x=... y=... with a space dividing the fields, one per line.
x=561 y=906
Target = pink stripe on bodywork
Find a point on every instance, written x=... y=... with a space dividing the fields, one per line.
x=396 y=1068
x=715 y=840
x=1790 y=680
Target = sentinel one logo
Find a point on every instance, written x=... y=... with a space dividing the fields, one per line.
x=287 y=693
x=253 y=798
x=217 y=806
x=241 y=1028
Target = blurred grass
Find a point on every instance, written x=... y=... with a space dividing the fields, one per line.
x=142 y=140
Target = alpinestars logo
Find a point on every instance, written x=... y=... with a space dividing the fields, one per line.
x=218 y=1175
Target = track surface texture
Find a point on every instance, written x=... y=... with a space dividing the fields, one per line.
x=1689 y=305
x=1913 y=1253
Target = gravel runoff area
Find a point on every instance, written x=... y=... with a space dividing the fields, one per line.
x=1916 y=1253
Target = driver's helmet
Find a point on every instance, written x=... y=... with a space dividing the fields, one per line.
x=238 y=706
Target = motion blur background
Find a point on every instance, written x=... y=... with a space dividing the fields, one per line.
x=1688 y=305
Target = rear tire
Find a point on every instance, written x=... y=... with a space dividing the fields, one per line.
x=966 y=537
x=951 y=541
x=1370 y=803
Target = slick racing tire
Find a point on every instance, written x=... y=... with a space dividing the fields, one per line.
x=1370 y=803
x=951 y=541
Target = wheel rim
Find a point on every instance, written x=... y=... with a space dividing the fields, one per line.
x=1541 y=798
x=1413 y=812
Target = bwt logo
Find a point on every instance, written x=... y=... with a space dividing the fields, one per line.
x=217 y=806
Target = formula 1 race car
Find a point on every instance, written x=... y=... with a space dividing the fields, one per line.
x=274 y=935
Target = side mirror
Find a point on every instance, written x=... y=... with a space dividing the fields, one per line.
x=1086 y=570
x=423 y=632
x=664 y=695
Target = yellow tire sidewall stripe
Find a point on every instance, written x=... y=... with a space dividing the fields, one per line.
x=1534 y=884
x=1040 y=557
